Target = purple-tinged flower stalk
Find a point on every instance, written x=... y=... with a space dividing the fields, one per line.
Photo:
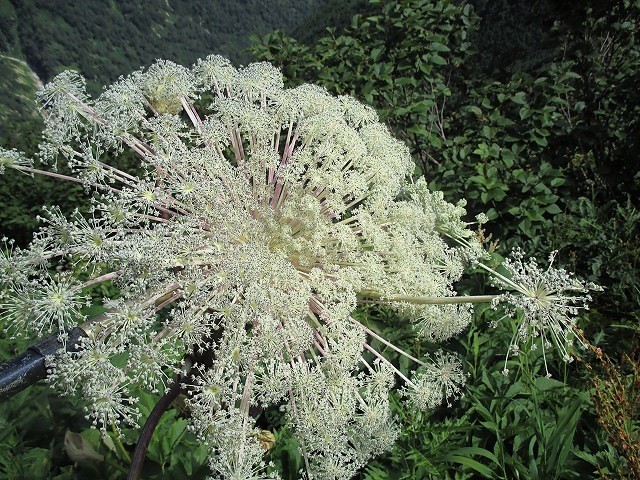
x=257 y=220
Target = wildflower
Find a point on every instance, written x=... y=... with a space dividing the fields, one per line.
x=12 y=159
x=545 y=302
x=46 y=304
x=108 y=398
x=257 y=221
x=441 y=380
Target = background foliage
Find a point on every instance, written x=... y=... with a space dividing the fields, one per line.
x=527 y=109
x=106 y=39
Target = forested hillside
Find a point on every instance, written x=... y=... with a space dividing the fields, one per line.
x=108 y=38
x=17 y=84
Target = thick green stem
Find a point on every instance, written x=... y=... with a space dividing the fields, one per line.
x=427 y=300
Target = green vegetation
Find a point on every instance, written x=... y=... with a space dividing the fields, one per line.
x=419 y=66
x=106 y=39
x=536 y=123
x=18 y=84
x=530 y=111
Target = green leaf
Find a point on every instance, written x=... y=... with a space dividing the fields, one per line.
x=508 y=157
x=519 y=98
x=435 y=141
x=177 y=429
x=544 y=384
x=515 y=388
x=470 y=451
x=492 y=214
x=542 y=141
x=439 y=47
x=437 y=59
x=375 y=53
x=553 y=209
x=472 y=464
x=37 y=461
x=474 y=109
x=561 y=439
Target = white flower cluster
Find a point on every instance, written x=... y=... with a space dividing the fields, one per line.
x=256 y=220
x=546 y=303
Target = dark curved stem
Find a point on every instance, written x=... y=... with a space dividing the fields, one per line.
x=139 y=454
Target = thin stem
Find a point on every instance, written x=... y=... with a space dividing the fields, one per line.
x=116 y=440
x=103 y=278
x=391 y=365
x=139 y=454
x=65 y=177
x=50 y=174
x=388 y=344
x=171 y=299
x=502 y=278
x=191 y=112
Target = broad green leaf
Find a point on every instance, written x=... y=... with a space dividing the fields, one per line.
x=519 y=98
x=439 y=47
x=437 y=59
